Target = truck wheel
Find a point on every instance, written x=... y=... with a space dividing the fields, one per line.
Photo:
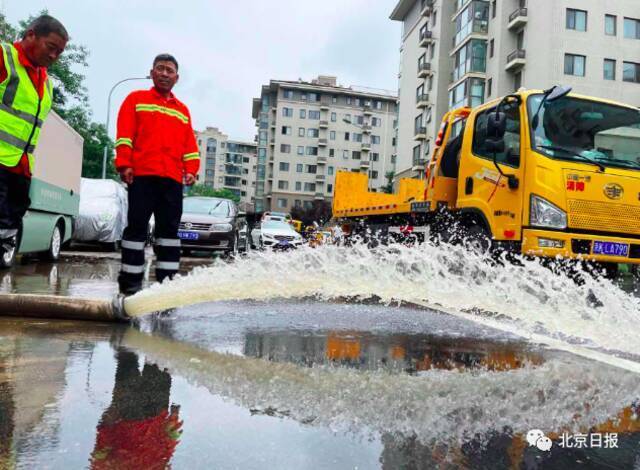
x=476 y=239
x=53 y=253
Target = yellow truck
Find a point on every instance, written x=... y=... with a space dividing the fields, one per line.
x=548 y=173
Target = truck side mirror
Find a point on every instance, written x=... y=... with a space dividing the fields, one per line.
x=496 y=125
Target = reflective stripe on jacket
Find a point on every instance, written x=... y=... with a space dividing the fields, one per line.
x=22 y=112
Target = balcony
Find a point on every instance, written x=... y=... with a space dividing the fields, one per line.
x=516 y=60
x=427 y=7
x=420 y=133
x=367 y=110
x=322 y=142
x=424 y=69
x=366 y=146
x=422 y=101
x=364 y=163
x=321 y=160
x=419 y=163
x=324 y=124
x=518 y=20
x=324 y=106
x=426 y=38
x=319 y=196
x=319 y=178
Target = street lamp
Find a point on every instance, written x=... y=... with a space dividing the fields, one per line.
x=106 y=147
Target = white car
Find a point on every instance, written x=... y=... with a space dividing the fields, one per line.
x=275 y=234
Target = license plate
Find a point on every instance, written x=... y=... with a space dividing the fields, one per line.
x=283 y=243
x=611 y=249
x=188 y=235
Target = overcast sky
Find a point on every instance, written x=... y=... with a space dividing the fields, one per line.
x=226 y=49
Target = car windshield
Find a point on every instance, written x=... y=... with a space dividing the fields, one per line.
x=276 y=225
x=585 y=130
x=196 y=205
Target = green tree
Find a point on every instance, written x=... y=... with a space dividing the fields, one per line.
x=202 y=190
x=388 y=188
x=71 y=99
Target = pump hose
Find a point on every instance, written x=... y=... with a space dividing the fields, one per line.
x=63 y=308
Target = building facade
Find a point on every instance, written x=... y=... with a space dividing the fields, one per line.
x=228 y=164
x=464 y=52
x=307 y=131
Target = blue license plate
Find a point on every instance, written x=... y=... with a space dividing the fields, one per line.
x=283 y=243
x=611 y=249
x=188 y=235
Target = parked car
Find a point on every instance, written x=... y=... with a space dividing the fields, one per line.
x=275 y=234
x=212 y=224
x=102 y=215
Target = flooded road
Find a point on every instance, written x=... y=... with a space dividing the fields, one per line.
x=304 y=382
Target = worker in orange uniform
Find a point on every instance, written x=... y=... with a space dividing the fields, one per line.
x=26 y=97
x=156 y=152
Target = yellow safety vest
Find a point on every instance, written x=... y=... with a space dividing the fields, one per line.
x=22 y=112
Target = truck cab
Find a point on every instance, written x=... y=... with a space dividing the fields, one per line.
x=561 y=177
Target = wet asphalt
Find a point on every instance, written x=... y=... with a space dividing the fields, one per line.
x=291 y=385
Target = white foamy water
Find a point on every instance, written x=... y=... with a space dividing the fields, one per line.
x=529 y=300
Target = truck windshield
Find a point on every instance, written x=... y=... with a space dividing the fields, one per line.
x=586 y=130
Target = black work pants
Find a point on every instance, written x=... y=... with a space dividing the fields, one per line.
x=14 y=201
x=161 y=197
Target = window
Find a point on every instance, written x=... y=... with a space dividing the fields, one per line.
x=356 y=137
x=574 y=64
x=312 y=150
x=329 y=188
x=422 y=60
x=377 y=104
x=355 y=155
x=312 y=169
x=286 y=130
x=631 y=28
x=417 y=123
x=433 y=18
x=346 y=135
x=282 y=203
x=307 y=204
x=300 y=149
x=314 y=114
x=393 y=159
x=489 y=86
x=375 y=139
x=287 y=112
x=610 y=25
x=303 y=96
x=609 y=69
x=347 y=117
x=416 y=155
x=334 y=117
x=419 y=92
x=332 y=135
x=285 y=148
x=303 y=114
x=576 y=19
x=631 y=72
x=301 y=131
x=283 y=184
x=298 y=186
x=375 y=156
x=284 y=166
x=511 y=154
x=493 y=9
x=358 y=102
x=314 y=96
x=373 y=174
x=359 y=120
x=287 y=94
x=345 y=154
x=334 y=99
x=332 y=153
x=309 y=187
x=492 y=46
x=330 y=171
x=299 y=167
x=376 y=122
x=349 y=100
x=313 y=132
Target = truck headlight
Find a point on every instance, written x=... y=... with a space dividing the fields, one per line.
x=545 y=214
x=220 y=228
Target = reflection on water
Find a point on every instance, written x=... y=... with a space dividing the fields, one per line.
x=139 y=429
x=50 y=371
x=410 y=353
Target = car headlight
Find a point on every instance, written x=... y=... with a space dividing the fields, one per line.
x=220 y=228
x=545 y=214
x=267 y=236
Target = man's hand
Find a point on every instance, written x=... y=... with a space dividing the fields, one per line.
x=126 y=175
x=189 y=179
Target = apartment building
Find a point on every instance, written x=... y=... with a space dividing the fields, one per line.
x=307 y=131
x=228 y=164
x=464 y=52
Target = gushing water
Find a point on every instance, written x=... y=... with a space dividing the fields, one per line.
x=529 y=298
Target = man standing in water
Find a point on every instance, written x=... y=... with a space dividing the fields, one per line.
x=26 y=95
x=156 y=151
